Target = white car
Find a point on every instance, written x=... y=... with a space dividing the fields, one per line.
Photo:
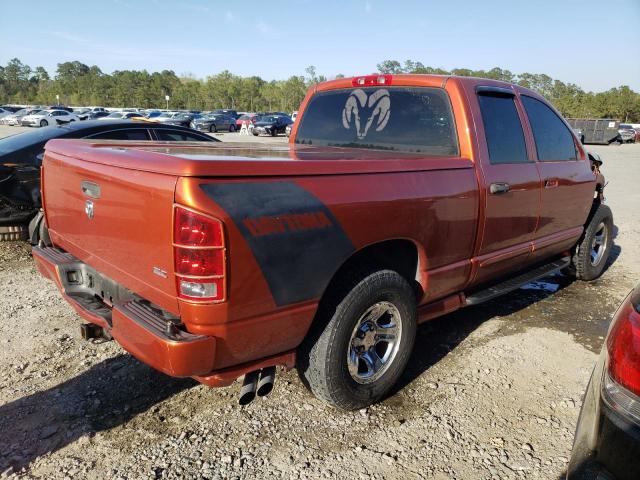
x=46 y=118
x=16 y=118
x=4 y=113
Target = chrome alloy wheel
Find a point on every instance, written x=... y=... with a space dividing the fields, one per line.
x=374 y=342
x=599 y=244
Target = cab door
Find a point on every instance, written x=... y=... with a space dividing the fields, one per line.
x=510 y=182
x=568 y=184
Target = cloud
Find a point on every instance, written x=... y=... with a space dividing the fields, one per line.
x=367 y=7
x=229 y=16
x=264 y=27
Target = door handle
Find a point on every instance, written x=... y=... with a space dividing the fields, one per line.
x=551 y=183
x=499 y=188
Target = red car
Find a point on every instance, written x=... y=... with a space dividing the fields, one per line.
x=249 y=117
x=399 y=199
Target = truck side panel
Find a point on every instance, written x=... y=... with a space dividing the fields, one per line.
x=303 y=231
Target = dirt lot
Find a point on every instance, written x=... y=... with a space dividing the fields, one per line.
x=492 y=391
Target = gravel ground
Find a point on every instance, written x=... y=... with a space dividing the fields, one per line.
x=492 y=391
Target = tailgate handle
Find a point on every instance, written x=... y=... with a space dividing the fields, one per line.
x=90 y=189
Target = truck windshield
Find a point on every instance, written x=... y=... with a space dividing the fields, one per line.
x=404 y=119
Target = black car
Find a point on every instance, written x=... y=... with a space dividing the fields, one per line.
x=607 y=439
x=21 y=157
x=271 y=125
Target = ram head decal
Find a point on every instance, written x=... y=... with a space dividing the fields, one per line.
x=359 y=106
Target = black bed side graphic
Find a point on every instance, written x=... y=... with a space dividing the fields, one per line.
x=295 y=239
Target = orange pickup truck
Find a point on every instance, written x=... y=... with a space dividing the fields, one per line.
x=398 y=199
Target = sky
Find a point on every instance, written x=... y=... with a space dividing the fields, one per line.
x=593 y=44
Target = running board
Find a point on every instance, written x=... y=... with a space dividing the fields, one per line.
x=516 y=282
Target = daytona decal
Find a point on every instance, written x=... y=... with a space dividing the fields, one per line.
x=294 y=237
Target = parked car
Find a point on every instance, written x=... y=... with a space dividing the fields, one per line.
x=179 y=118
x=294 y=115
x=46 y=118
x=388 y=208
x=4 y=112
x=247 y=117
x=627 y=133
x=271 y=125
x=579 y=134
x=61 y=107
x=226 y=111
x=607 y=439
x=82 y=113
x=16 y=118
x=215 y=123
x=21 y=158
x=121 y=116
x=95 y=115
x=288 y=129
x=10 y=108
x=602 y=131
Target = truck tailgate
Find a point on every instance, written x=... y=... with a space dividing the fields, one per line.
x=117 y=220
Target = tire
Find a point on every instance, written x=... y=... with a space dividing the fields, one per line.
x=232 y=128
x=213 y=129
x=274 y=132
x=593 y=249
x=13 y=232
x=44 y=123
x=342 y=329
x=255 y=134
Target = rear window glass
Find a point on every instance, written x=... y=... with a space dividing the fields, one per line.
x=402 y=119
x=503 y=130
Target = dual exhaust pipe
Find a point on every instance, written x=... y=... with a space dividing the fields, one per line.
x=258 y=382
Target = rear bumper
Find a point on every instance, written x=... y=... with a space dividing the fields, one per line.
x=141 y=329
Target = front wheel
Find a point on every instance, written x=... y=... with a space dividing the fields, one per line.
x=213 y=129
x=361 y=341
x=44 y=123
x=593 y=249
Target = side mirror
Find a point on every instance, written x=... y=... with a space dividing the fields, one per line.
x=595 y=159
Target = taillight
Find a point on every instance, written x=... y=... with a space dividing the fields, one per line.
x=371 y=80
x=623 y=347
x=200 y=256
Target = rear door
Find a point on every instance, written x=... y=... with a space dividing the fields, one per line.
x=511 y=184
x=568 y=184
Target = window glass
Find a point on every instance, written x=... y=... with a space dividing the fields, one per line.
x=178 y=136
x=139 y=134
x=404 y=119
x=502 y=128
x=552 y=137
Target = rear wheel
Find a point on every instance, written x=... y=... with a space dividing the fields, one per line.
x=361 y=340
x=593 y=249
x=43 y=123
x=232 y=128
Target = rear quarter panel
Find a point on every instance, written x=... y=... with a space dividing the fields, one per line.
x=278 y=274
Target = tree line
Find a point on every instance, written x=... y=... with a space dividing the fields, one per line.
x=75 y=83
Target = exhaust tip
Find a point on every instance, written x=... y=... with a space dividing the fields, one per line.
x=248 y=389
x=267 y=379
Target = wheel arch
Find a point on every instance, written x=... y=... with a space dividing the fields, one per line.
x=403 y=255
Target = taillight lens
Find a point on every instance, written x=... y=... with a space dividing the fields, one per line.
x=199 y=262
x=199 y=253
x=623 y=348
x=195 y=230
